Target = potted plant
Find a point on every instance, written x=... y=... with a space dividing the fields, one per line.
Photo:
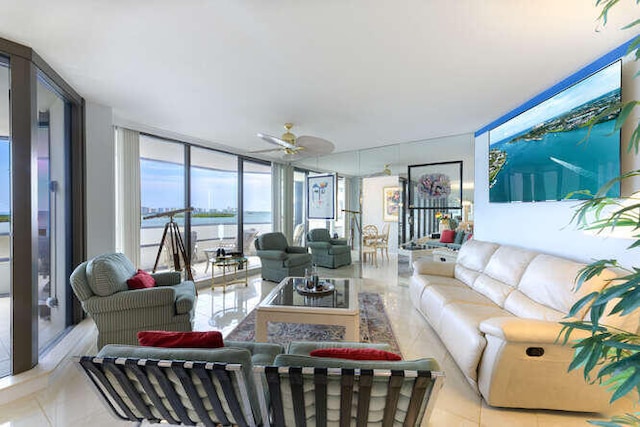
x=608 y=355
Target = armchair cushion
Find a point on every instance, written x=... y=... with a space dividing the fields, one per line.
x=296 y=250
x=171 y=339
x=108 y=274
x=272 y=254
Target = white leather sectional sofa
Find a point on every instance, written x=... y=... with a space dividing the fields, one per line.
x=497 y=311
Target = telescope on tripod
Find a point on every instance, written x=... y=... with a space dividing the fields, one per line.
x=175 y=242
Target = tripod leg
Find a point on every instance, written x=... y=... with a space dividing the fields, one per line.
x=164 y=236
x=174 y=246
x=183 y=252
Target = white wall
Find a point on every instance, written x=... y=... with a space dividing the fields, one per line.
x=100 y=176
x=546 y=226
x=372 y=195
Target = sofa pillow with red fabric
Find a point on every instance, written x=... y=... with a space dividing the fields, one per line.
x=356 y=354
x=447 y=236
x=141 y=280
x=172 y=339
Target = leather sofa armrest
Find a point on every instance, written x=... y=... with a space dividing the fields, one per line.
x=271 y=254
x=296 y=250
x=428 y=266
x=516 y=329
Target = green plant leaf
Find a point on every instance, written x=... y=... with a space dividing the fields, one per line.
x=627 y=386
x=582 y=302
x=633 y=24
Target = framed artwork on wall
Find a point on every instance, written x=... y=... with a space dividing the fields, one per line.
x=321 y=196
x=391 y=198
x=435 y=186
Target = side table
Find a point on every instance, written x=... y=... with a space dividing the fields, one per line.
x=229 y=262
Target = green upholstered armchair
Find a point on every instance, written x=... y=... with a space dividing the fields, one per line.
x=119 y=313
x=280 y=260
x=328 y=252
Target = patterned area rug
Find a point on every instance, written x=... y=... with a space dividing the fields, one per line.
x=374 y=327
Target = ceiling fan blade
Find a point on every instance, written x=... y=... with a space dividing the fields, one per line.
x=275 y=140
x=270 y=150
x=314 y=146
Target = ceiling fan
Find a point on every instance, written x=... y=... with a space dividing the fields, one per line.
x=293 y=147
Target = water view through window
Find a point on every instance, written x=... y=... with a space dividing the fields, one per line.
x=214 y=196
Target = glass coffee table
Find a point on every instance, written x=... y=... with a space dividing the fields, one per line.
x=291 y=302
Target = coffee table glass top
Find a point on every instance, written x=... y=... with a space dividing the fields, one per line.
x=285 y=294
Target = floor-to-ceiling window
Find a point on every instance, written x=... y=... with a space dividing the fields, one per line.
x=226 y=201
x=256 y=203
x=5 y=222
x=162 y=190
x=214 y=197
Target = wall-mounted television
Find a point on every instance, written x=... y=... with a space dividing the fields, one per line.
x=551 y=151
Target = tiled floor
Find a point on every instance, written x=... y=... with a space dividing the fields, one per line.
x=69 y=401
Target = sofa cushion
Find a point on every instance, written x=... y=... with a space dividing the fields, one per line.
x=475 y=254
x=460 y=332
x=493 y=289
x=458 y=239
x=522 y=306
x=508 y=264
x=464 y=274
x=108 y=274
x=436 y=297
x=172 y=339
x=550 y=280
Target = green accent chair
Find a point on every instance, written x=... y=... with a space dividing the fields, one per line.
x=280 y=260
x=119 y=313
x=328 y=252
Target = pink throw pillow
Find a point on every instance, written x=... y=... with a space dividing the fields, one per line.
x=356 y=354
x=172 y=339
x=447 y=236
x=141 y=280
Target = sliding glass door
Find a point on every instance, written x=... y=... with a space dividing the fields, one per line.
x=53 y=212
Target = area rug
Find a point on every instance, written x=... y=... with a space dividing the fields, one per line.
x=374 y=327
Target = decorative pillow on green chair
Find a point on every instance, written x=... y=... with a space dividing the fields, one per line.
x=171 y=339
x=356 y=354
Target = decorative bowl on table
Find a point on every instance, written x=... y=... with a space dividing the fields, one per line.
x=324 y=289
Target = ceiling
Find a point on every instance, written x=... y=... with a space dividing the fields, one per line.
x=357 y=73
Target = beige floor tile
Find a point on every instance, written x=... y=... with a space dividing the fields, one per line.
x=493 y=417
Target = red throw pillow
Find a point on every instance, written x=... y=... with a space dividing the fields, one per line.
x=141 y=280
x=171 y=339
x=356 y=354
x=447 y=236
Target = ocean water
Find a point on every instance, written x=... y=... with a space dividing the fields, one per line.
x=558 y=164
x=249 y=218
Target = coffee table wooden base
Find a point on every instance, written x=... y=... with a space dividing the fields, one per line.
x=315 y=316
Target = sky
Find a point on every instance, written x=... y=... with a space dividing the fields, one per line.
x=163 y=183
x=590 y=88
x=162 y=186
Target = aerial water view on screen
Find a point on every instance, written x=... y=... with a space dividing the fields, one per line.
x=561 y=146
